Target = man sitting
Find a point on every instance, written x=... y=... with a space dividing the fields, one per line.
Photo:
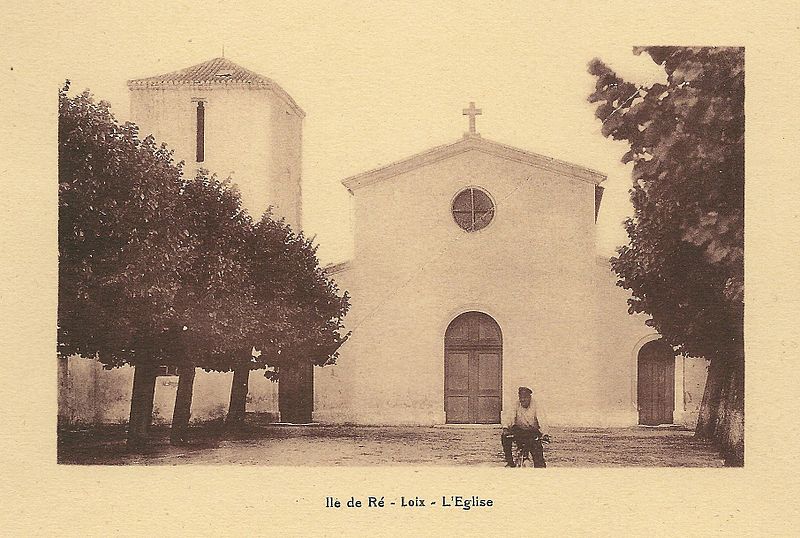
x=525 y=429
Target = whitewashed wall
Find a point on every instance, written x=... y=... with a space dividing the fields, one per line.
x=530 y=269
x=566 y=330
x=250 y=135
x=90 y=394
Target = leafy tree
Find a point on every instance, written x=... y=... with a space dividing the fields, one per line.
x=296 y=310
x=684 y=263
x=155 y=269
x=119 y=242
x=212 y=302
x=314 y=330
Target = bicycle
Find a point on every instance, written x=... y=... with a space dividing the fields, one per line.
x=522 y=451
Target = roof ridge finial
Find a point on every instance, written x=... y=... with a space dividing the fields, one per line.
x=472 y=112
x=223 y=49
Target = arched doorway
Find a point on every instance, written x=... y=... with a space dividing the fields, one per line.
x=656 y=383
x=473 y=361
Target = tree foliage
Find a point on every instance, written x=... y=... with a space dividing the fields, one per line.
x=290 y=283
x=158 y=269
x=119 y=235
x=684 y=263
x=213 y=304
x=285 y=308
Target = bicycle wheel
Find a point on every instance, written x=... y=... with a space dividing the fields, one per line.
x=520 y=457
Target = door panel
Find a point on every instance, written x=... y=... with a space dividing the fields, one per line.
x=473 y=370
x=656 y=384
x=488 y=410
x=457 y=409
x=457 y=370
x=489 y=372
x=667 y=401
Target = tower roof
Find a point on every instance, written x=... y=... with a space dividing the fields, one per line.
x=214 y=72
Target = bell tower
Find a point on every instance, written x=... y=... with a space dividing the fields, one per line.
x=233 y=122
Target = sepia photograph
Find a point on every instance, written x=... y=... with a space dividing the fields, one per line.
x=476 y=311
x=403 y=258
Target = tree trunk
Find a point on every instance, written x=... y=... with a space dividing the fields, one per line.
x=183 y=406
x=721 y=417
x=730 y=429
x=707 y=419
x=238 y=404
x=144 y=387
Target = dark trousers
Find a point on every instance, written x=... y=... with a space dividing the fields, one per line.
x=524 y=438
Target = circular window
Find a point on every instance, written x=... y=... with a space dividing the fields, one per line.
x=473 y=209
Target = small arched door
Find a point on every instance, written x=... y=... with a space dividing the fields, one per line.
x=656 y=383
x=473 y=360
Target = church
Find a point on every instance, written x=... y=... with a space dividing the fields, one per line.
x=474 y=271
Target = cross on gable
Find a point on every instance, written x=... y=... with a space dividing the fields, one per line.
x=472 y=112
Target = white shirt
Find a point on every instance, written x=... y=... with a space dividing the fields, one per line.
x=526 y=417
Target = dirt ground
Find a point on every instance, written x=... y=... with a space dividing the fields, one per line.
x=324 y=445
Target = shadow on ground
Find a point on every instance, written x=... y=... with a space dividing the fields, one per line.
x=325 y=445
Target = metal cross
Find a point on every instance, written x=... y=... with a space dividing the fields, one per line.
x=472 y=112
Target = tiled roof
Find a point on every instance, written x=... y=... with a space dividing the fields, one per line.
x=216 y=71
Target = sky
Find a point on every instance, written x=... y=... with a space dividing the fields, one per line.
x=378 y=83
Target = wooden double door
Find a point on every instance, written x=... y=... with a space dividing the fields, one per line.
x=473 y=370
x=656 y=383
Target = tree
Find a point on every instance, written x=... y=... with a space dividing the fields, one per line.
x=119 y=243
x=313 y=330
x=156 y=269
x=214 y=294
x=684 y=261
x=296 y=312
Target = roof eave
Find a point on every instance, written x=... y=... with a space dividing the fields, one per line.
x=467 y=144
x=145 y=84
x=338 y=267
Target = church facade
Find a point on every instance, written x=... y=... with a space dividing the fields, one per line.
x=474 y=272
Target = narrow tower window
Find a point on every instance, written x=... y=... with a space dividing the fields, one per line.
x=201 y=131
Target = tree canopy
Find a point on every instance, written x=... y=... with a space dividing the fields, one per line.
x=286 y=309
x=684 y=263
x=120 y=239
x=158 y=268
x=213 y=303
x=292 y=282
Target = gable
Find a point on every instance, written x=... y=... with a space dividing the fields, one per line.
x=472 y=143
